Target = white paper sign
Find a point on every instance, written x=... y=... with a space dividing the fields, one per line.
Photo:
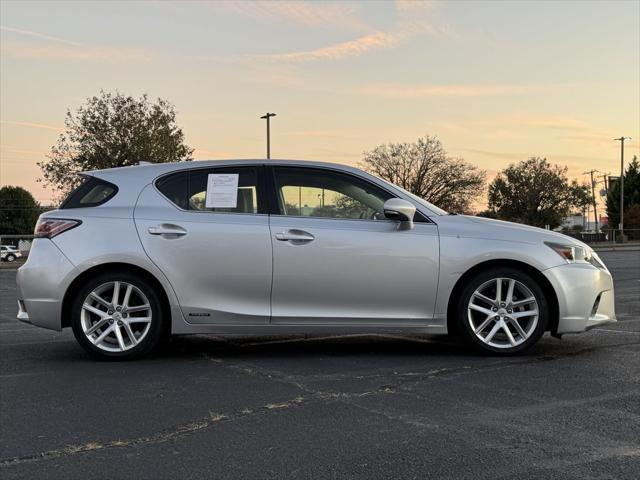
x=222 y=190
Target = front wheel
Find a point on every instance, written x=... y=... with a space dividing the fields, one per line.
x=11 y=257
x=503 y=311
x=117 y=316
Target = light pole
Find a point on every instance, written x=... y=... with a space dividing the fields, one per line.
x=621 y=140
x=267 y=117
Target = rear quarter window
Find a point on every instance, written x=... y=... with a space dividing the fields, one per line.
x=91 y=193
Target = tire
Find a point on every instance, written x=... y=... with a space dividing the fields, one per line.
x=11 y=257
x=121 y=331
x=504 y=327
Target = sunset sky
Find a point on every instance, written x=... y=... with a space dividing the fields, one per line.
x=497 y=82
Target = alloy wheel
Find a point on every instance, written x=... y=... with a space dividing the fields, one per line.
x=116 y=316
x=503 y=313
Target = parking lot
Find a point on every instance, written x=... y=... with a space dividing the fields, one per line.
x=333 y=407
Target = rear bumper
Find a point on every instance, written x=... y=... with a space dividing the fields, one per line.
x=41 y=284
x=585 y=296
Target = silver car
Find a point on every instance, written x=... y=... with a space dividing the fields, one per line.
x=257 y=247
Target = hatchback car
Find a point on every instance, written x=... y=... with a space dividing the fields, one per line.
x=284 y=247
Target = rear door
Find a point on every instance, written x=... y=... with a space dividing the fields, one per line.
x=207 y=229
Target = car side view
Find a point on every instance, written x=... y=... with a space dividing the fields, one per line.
x=9 y=253
x=136 y=254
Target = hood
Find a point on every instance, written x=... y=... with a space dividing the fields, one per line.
x=500 y=230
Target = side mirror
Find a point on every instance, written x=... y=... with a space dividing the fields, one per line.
x=398 y=209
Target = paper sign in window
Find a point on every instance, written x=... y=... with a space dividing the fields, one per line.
x=222 y=190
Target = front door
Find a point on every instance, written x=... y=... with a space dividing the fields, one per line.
x=338 y=260
x=207 y=229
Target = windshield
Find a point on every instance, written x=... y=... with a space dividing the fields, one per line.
x=421 y=201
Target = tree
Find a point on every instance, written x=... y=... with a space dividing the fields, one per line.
x=536 y=193
x=631 y=194
x=113 y=130
x=19 y=211
x=424 y=169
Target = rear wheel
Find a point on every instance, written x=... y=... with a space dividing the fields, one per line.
x=503 y=311
x=117 y=316
x=11 y=257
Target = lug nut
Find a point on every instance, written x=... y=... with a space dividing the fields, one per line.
x=110 y=312
x=509 y=310
x=125 y=315
x=111 y=321
x=503 y=304
x=118 y=308
x=495 y=309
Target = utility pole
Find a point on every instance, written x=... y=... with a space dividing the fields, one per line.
x=593 y=198
x=621 y=140
x=267 y=117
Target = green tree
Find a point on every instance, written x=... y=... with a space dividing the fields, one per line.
x=631 y=194
x=19 y=211
x=425 y=169
x=113 y=130
x=534 y=192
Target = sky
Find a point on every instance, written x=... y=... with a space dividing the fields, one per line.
x=496 y=81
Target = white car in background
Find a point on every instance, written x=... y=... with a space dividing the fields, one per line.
x=9 y=253
x=281 y=247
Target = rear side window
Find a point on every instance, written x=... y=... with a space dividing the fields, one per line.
x=188 y=190
x=91 y=193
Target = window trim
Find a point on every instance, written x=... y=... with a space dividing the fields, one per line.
x=261 y=187
x=274 y=208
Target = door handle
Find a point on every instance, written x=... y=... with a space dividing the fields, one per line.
x=167 y=230
x=295 y=236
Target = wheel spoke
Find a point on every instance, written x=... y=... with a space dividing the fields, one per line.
x=103 y=335
x=131 y=320
x=478 y=308
x=512 y=284
x=130 y=334
x=127 y=296
x=94 y=310
x=137 y=308
x=512 y=340
x=498 y=290
x=524 y=301
x=484 y=324
x=526 y=313
x=518 y=328
x=484 y=298
x=96 y=326
x=116 y=293
x=493 y=331
x=100 y=300
x=119 y=336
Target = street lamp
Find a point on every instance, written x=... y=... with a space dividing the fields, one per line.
x=621 y=140
x=267 y=117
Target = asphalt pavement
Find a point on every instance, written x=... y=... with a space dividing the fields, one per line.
x=325 y=407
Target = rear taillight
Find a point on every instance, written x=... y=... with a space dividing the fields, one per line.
x=50 y=227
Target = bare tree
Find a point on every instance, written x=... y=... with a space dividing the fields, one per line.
x=424 y=169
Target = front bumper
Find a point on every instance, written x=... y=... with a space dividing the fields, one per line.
x=585 y=296
x=41 y=284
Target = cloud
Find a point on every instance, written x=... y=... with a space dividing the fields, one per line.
x=50 y=48
x=550 y=121
x=339 y=50
x=201 y=154
x=451 y=90
x=308 y=14
x=33 y=125
x=41 y=36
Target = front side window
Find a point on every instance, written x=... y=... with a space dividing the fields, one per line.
x=220 y=190
x=307 y=192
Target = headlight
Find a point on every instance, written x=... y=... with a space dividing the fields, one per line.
x=571 y=253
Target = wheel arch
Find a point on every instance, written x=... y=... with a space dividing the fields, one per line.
x=68 y=298
x=536 y=274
